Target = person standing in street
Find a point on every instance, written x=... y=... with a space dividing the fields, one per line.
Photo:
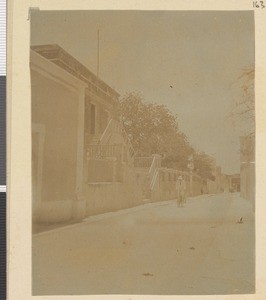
x=181 y=191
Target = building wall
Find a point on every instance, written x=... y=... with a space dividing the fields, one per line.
x=56 y=108
x=247 y=178
x=211 y=186
x=198 y=186
x=103 y=113
x=102 y=197
x=167 y=184
x=247 y=171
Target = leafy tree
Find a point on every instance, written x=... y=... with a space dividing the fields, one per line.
x=153 y=129
x=203 y=165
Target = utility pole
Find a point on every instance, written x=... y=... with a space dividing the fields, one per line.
x=98 y=52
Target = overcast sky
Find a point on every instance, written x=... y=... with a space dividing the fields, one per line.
x=200 y=54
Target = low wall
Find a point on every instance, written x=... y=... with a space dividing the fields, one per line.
x=104 y=170
x=143 y=180
x=211 y=187
x=100 y=170
x=165 y=185
x=102 y=197
x=107 y=197
x=197 y=187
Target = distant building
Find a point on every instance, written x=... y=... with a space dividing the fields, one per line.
x=234 y=182
x=219 y=183
x=224 y=183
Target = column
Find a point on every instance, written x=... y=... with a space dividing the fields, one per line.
x=79 y=205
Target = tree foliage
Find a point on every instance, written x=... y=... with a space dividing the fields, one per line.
x=153 y=129
x=203 y=165
x=244 y=106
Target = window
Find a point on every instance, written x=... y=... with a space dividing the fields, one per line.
x=93 y=119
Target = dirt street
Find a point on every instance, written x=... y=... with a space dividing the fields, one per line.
x=152 y=249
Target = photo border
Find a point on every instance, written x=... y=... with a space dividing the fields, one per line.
x=19 y=136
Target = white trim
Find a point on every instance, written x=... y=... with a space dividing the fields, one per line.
x=106 y=130
x=50 y=70
x=96 y=125
x=80 y=142
x=154 y=179
x=2 y=188
x=153 y=162
x=40 y=130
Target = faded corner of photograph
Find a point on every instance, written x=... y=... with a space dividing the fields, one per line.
x=143 y=152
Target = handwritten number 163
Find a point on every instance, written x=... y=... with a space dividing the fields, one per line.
x=258 y=4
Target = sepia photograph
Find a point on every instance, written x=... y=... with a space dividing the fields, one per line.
x=142 y=152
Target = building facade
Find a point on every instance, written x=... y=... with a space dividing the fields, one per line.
x=81 y=157
x=247 y=169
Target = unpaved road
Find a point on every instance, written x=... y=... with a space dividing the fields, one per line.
x=153 y=249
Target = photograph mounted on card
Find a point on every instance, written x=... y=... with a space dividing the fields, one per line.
x=143 y=152
x=136 y=153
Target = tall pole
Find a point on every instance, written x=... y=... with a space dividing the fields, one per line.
x=98 y=52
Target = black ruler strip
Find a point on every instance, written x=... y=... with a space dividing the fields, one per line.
x=3 y=234
x=3 y=130
x=2 y=183
x=2 y=246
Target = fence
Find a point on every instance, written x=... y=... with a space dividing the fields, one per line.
x=115 y=126
x=105 y=151
x=142 y=162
